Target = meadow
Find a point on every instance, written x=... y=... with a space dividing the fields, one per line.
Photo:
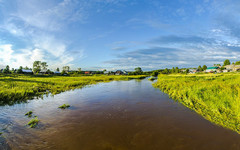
x=214 y=96
x=20 y=88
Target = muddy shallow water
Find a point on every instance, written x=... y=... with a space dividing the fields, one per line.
x=120 y=115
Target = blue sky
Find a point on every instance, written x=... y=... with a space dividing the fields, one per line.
x=119 y=34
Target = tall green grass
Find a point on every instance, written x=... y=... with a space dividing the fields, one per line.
x=19 y=88
x=215 y=97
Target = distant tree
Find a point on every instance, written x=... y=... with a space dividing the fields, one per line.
x=26 y=68
x=66 y=68
x=6 y=70
x=138 y=70
x=63 y=72
x=13 y=70
x=165 y=71
x=44 y=65
x=200 y=68
x=204 y=67
x=173 y=70
x=155 y=73
x=79 y=70
x=237 y=63
x=58 y=69
x=177 y=70
x=37 y=66
x=104 y=70
x=19 y=71
x=187 y=70
x=49 y=71
x=226 y=62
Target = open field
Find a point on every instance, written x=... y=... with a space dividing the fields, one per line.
x=214 y=96
x=19 y=88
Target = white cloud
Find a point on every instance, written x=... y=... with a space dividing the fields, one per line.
x=8 y=56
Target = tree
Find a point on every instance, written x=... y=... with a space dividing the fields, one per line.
x=173 y=70
x=237 y=63
x=6 y=70
x=165 y=71
x=155 y=74
x=177 y=70
x=13 y=70
x=19 y=71
x=66 y=68
x=204 y=67
x=226 y=62
x=25 y=67
x=200 y=68
x=44 y=65
x=58 y=69
x=79 y=70
x=37 y=66
x=138 y=70
x=187 y=71
x=49 y=71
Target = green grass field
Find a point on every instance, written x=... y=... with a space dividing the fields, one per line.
x=214 y=96
x=19 y=88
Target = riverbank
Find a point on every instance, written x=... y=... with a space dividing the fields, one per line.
x=215 y=97
x=19 y=88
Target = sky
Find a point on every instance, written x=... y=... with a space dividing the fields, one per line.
x=119 y=34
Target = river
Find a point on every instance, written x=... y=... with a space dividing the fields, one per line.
x=119 y=115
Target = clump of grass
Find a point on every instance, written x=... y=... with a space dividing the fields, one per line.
x=33 y=122
x=64 y=106
x=1 y=133
x=29 y=114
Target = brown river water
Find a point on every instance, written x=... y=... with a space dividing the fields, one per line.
x=120 y=115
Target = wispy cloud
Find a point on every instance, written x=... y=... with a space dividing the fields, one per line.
x=38 y=22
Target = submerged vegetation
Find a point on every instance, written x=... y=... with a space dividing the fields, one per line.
x=33 y=122
x=215 y=97
x=152 y=78
x=19 y=88
x=29 y=114
x=64 y=106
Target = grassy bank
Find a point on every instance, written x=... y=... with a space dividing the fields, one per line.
x=215 y=97
x=19 y=88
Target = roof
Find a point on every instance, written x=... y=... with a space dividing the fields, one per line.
x=25 y=70
x=212 y=68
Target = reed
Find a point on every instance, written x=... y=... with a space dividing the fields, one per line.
x=214 y=96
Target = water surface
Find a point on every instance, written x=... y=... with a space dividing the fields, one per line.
x=120 y=115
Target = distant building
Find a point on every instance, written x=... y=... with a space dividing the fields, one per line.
x=119 y=72
x=27 y=71
x=212 y=69
x=57 y=72
x=125 y=72
x=87 y=72
x=43 y=71
x=192 y=71
x=225 y=70
x=106 y=72
x=232 y=67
